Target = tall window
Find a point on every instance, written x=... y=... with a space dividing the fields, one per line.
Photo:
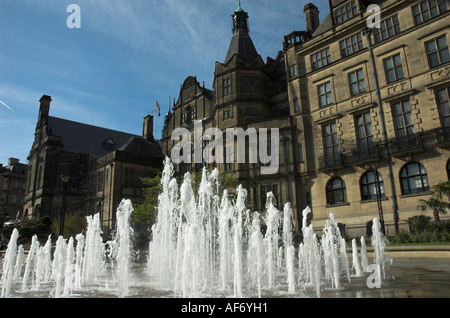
x=300 y=153
x=364 y=132
x=129 y=174
x=393 y=68
x=356 y=81
x=371 y=184
x=227 y=113
x=321 y=58
x=266 y=189
x=296 y=105
x=325 y=96
x=40 y=180
x=249 y=84
x=101 y=181
x=188 y=115
x=293 y=70
x=403 y=120
x=226 y=86
x=388 y=28
x=414 y=179
x=345 y=13
x=351 y=45
x=330 y=142
x=428 y=9
x=336 y=191
x=442 y=98
x=437 y=51
x=30 y=169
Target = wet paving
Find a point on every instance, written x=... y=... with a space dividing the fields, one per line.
x=407 y=278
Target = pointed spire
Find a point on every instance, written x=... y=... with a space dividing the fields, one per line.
x=241 y=43
x=239 y=9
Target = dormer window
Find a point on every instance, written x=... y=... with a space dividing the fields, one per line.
x=346 y=12
x=109 y=144
x=188 y=115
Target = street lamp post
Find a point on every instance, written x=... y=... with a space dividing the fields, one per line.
x=66 y=180
x=368 y=31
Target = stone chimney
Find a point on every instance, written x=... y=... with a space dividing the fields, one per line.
x=148 y=128
x=44 y=109
x=13 y=161
x=312 y=17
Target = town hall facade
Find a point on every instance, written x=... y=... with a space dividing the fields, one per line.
x=362 y=112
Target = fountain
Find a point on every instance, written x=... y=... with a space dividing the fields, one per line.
x=8 y=264
x=203 y=245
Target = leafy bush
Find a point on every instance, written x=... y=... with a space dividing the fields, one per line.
x=423 y=231
x=419 y=223
x=41 y=227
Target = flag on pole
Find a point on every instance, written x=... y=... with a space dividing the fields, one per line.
x=159 y=109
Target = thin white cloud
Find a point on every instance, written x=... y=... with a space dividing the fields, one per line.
x=1 y=102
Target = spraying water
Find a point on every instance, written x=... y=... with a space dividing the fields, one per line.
x=204 y=244
x=31 y=259
x=355 y=259
x=379 y=242
x=123 y=241
x=8 y=264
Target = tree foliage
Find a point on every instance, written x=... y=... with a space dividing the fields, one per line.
x=145 y=213
x=438 y=202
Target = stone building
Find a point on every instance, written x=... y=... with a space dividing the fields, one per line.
x=12 y=189
x=79 y=168
x=362 y=112
x=247 y=91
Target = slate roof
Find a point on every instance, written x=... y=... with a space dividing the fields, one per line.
x=96 y=141
x=241 y=44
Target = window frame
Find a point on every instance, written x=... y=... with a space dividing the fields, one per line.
x=336 y=195
x=351 y=45
x=437 y=52
x=444 y=116
x=330 y=148
x=357 y=82
x=419 y=12
x=406 y=178
x=346 y=12
x=264 y=189
x=323 y=56
x=367 y=185
x=384 y=32
x=406 y=119
x=227 y=114
x=293 y=70
x=226 y=86
x=368 y=138
x=394 y=69
x=327 y=93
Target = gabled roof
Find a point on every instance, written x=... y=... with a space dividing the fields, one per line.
x=96 y=141
x=138 y=144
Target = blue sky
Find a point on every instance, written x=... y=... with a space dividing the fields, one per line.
x=126 y=55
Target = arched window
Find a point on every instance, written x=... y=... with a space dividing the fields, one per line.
x=414 y=178
x=370 y=184
x=336 y=191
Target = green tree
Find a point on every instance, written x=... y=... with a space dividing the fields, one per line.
x=145 y=214
x=438 y=202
